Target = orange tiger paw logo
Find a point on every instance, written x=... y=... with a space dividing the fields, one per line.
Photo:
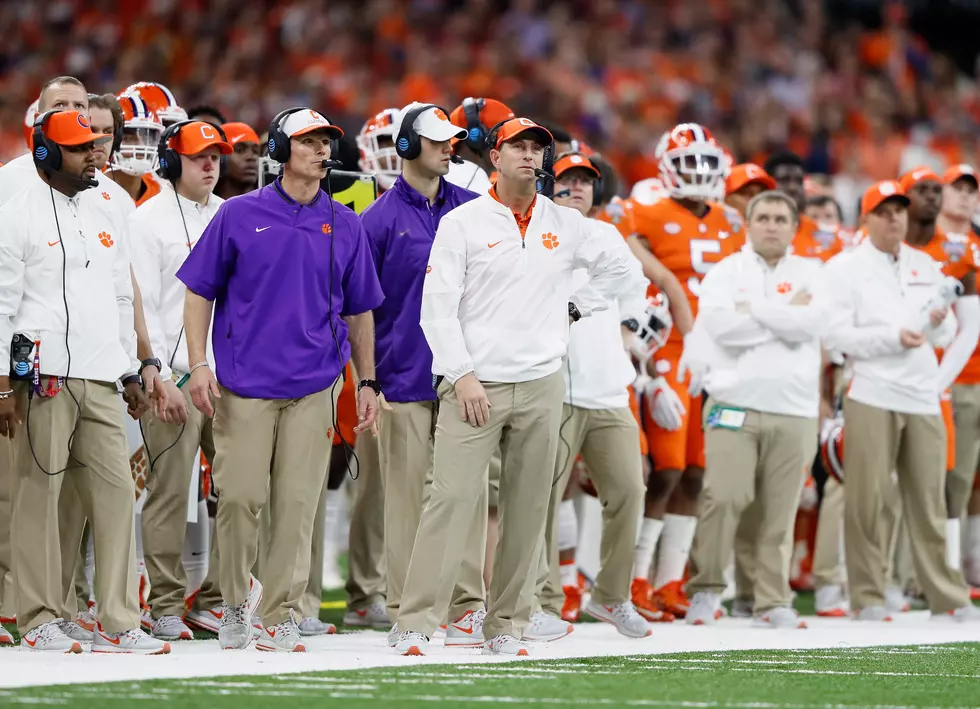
x=326 y=228
x=550 y=241
x=784 y=288
x=106 y=239
x=105 y=196
x=330 y=433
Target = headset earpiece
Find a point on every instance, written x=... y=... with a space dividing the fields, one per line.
x=475 y=137
x=222 y=159
x=408 y=143
x=46 y=154
x=170 y=167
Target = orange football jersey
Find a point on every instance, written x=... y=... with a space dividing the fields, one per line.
x=813 y=240
x=957 y=253
x=152 y=189
x=619 y=213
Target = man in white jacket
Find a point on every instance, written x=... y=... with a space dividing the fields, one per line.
x=598 y=424
x=762 y=308
x=889 y=308
x=496 y=306
x=167 y=228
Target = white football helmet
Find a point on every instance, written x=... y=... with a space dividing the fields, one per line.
x=692 y=164
x=376 y=143
x=654 y=328
x=142 y=129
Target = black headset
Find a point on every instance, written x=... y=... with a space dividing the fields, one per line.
x=475 y=135
x=279 y=149
x=46 y=153
x=170 y=165
x=597 y=184
x=546 y=175
x=408 y=143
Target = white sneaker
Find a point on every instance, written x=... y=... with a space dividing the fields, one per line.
x=133 y=642
x=411 y=643
x=393 y=636
x=5 y=637
x=966 y=614
x=742 y=608
x=873 y=613
x=171 y=627
x=374 y=616
x=50 y=638
x=236 y=632
x=704 y=609
x=283 y=637
x=208 y=620
x=506 y=645
x=467 y=631
x=544 y=628
x=146 y=620
x=780 y=618
x=623 y=615
x=315 y=626
x=895 y=600
x=831 y=602
x=87 y=619
x=76 y=632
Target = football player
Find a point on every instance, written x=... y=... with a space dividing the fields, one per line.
x=132 y=165
x=376 y=143
x=160 y=100
x=241 y=173
x=477 y=116
x=812 y=239
x=688 y=234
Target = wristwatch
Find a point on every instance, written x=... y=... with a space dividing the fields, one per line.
x=631 y=324
x=573 y=312
x=370 y=383
x=152 y=362
x=132 y=379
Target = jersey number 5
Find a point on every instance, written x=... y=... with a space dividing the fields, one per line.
x=700 y=248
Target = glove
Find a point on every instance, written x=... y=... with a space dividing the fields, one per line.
x=664 y=405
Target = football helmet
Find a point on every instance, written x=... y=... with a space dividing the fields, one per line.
x=692 y=164
x=29 y=118
x=654 y=328
x=648 y=191
x=832 y=447
x=142 y=128
x=160 y=100
x=376 y=143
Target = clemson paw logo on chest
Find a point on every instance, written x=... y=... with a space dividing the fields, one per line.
x=549 y=240
x=106 y=239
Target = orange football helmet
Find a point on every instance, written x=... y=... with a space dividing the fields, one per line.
x=692 y=163
x=142 y=128
x=376 y=143
x=160 y=100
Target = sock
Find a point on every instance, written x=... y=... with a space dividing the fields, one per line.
x=953 y=556
x=568 y=572
x=567 y=525
x=675 y=547
x=645 y=545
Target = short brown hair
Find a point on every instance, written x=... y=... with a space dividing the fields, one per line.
x=111 y=104
x=71 y=80
x=773 y=197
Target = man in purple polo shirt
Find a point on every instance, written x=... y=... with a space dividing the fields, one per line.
x=401 y=226
x=289 y=274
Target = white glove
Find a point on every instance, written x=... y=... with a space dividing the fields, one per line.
x=664 y=404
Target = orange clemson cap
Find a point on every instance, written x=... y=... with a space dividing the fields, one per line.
x=237 y=132
x=71 y=128
x=198 y=136
x=746 y=174
x=920 y=174
x=518 y=126
x=881 y=192
x=958 y=172
x=575 y=161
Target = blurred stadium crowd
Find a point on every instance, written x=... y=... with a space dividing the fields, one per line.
x=861 y=102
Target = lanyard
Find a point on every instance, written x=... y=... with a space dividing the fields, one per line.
x=53 y=387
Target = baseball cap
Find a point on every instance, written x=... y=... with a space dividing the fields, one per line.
x=518 y=126
x=570 y=162
x=920 y=174
x=881 y=192
x=492 y=113
x=957 y=172
x=746 y=174
x=198 y=136
x=306 y=121
x=432 y=123
x=240 y=133
x=72 y=128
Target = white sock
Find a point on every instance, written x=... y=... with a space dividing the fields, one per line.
x=953 y=556
x=645 y=545
x=568 y=572
x=90 y=567
x=567 y=525
x=675 y=547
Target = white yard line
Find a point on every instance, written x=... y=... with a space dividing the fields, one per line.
x=367 y=649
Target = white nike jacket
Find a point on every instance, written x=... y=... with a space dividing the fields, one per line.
x=495 y=303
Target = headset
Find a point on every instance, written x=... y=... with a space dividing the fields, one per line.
x=170 y=165
x=597 y=183
x=475 y=135
x=46 y=153
x=545 y=174
x=408 y=143
x=279 y=149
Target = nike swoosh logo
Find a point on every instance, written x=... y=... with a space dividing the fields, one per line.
x=196 y=553
x=106 y=637
x=402 y=233
x=29 y=643
x=257 y=230
x=464 y=630
x=490 y=246
x=54 y=243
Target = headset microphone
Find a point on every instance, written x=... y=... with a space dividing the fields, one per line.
x=563 y=193
x=456 y=159
x=543 y=175
x=330 y=164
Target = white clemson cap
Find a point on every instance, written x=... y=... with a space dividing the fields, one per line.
x=307 y=121
x=431 y=123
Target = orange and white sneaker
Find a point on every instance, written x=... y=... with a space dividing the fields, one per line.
x=571 y=610
x=87 y=619
x=671 y=598
x=50 y=638
x=5 y=637
x=374 y=616
x=283 y=637
x=467 y=631
x=830 y=602
x=208 y=619
x=171 y=627
x=780 y=618
x=623 y=616
x=411 y=643
x=128 y=642
x=641 y=593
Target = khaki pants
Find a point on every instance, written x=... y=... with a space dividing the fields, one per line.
x=106 y=492
x=609 y=442
x=366 y=580
x=406 y=463
x=878 y=442
x=172 y=452
x=7 y=477
x=74 y=530
x=966 y=414
x=827 y=568
x=275 y=451
x=313 y=594
x=524 y=422
x=762 y=462
x=745 y=543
